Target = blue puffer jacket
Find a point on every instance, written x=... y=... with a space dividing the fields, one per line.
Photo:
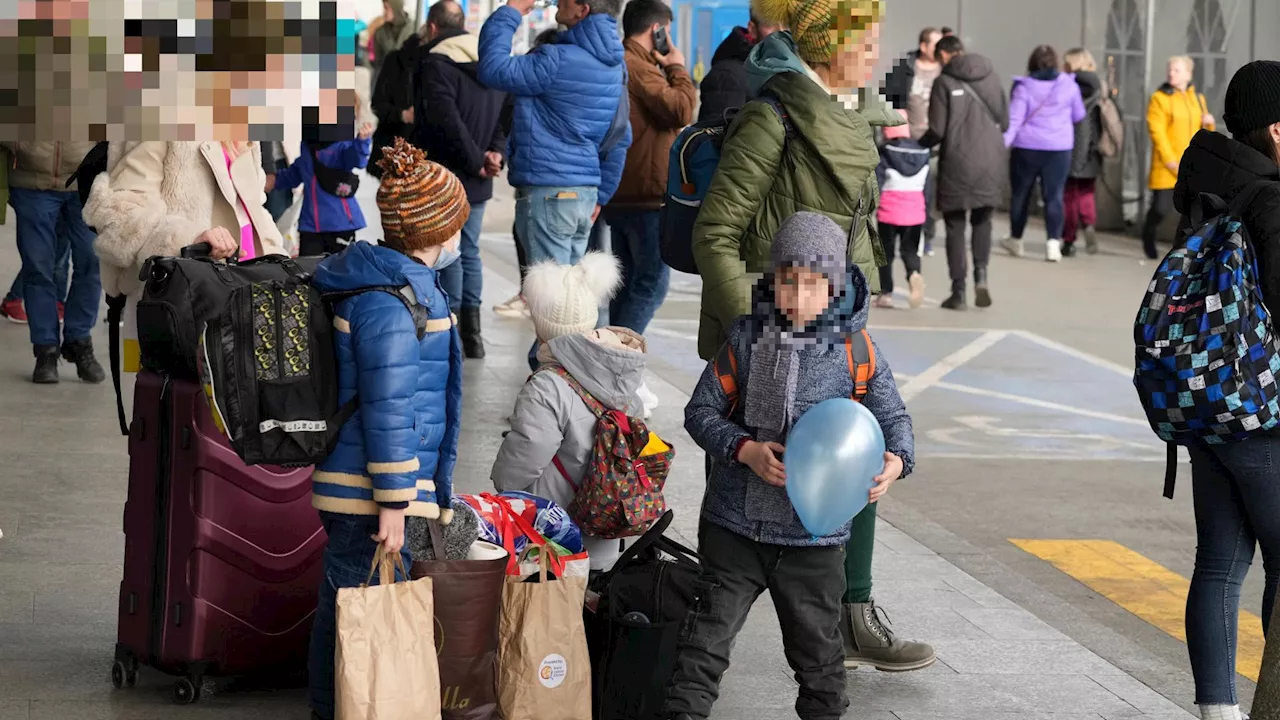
x=400 y=447
x=321 y=211
x=566 y=94
x=736 y=498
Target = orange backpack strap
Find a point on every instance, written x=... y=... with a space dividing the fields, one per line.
x=726 y=369
x=862 y=362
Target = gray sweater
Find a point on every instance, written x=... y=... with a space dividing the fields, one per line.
x=736 y=498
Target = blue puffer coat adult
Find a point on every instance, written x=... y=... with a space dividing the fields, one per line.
x=322 y=211
x=566 y=94
x=400 y=447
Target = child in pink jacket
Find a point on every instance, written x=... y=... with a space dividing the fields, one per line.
x=903 y=173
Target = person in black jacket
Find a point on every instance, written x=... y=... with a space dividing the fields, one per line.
x=459 y=127
x=725 y=85
x=1234 y=484
x=392 y=101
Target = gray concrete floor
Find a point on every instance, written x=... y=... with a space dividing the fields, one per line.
x=1015 y=637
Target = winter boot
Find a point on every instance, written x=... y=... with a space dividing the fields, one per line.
x=87 y=366
x=956 y=301
x=1068 y=249
x=46 y=372
x=472 y=343
x=868 y=641
x=982 y=295
x=1090 y=240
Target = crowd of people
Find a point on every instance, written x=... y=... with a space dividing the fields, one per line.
x=821 y=184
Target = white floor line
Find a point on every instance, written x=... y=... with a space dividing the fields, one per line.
x=926 y=328
x=934 y=373
x=925 y=453
x=1078 y=354
x=1043 y=404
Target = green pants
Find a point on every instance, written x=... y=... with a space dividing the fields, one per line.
x=857 y=556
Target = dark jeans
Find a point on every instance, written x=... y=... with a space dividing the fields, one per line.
x=522 y=258
x=1051 y=167
x=347 y=560
x=463 y=281
x=61 y=271
x=325 y=243
x=47 y=219
x=1161 y=207
x=890 y=236
x=645 y=278
x=805 y=584
x=1237 y=505
x=596 y=242
x=957 y=259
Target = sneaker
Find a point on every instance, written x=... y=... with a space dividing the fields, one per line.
x=14 y=311
x=513 y=308
x=883 y=302
x=648 y=399
x=917 y=290
x=1053 y=251
x=928 y=248
x=1013 y=246
x=1068 y=249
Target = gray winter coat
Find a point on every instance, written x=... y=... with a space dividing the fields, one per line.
x=973 y=165
x=551 y=422
x=736 y=498
x=1085 y=161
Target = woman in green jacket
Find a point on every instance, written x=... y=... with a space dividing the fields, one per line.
x=821 y=158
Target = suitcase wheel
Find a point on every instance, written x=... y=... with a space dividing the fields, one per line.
x=124 y=674
x=187 y=690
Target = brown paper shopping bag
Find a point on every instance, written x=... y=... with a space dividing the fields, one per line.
x=544 y=670
x=385 y=664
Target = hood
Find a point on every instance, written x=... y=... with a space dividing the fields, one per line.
x=365 y=265
x=773 y=55
x=462 y=48
x=906 y=156
x=1090 y=85
x=847 y=314
x=734 y=48
x=969 y=68
x=608 y=363
x=598 y=35
x=1214 y=163
x=1038 y=90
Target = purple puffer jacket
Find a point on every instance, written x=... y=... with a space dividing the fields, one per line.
x=1043 y=113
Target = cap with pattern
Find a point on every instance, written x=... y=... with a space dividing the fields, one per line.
x=422 y=203
x=821 y=26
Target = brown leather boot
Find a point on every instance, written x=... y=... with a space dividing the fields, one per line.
x=868 y=641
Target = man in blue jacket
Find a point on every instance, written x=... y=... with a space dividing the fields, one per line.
x=567 y=95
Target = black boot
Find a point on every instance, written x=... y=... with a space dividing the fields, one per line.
x=956 y=301
x=469 y=328
x=87 y=366
x=982 y=295
x=46 y=372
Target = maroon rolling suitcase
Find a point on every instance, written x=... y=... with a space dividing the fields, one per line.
x=222 y=561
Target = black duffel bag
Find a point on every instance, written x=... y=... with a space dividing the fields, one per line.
x=181 y=294
x=633 y=626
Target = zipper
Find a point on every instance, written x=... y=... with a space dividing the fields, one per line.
x=278 y=294
x=315 y=204
x=657 y=591
x=346 y=207
x=160 y=524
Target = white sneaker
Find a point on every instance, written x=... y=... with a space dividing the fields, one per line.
x=884 y=302
x=1012 y=246
x=1053 y=251
x=917 y=290
x=513 y=308
x=648 y=399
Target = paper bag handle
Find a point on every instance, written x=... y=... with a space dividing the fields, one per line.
x=387 y=563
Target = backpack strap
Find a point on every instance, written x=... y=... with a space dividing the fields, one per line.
x=861 y=356
x=115 y=316
x=725 y=367
x=595 y=405
x=1170 y=469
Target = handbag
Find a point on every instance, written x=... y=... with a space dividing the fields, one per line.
x=339 y=183
x=467 y=604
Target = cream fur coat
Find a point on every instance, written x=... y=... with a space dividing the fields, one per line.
x=157 y=197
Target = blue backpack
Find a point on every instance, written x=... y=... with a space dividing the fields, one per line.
x=1206 y=351
x=695 y=155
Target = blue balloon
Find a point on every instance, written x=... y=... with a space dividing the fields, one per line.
x=833 y=452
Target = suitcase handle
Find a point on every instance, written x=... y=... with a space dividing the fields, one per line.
x=200 y=251
x=197 y=251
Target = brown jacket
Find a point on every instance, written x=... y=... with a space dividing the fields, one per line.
x=46 y=165
x=662 y=103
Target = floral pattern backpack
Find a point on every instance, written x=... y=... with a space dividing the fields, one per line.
x=621 y=492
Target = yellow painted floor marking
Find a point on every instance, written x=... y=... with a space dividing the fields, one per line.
x=1146 y=589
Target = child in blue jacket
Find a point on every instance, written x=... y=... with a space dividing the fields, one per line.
x=330 y=214
x=401 y=355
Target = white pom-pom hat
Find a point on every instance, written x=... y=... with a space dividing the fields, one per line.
x=566 y=300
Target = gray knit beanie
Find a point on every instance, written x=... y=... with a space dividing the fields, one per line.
x=813 y=241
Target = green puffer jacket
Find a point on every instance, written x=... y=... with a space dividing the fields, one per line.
x=828 y=166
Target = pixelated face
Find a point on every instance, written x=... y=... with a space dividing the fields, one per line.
x=1179 y=75
x=571 y=12
x=802 y=294
x=853 y=63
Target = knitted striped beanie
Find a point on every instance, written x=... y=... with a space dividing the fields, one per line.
x=422 y=203
x=819 y=27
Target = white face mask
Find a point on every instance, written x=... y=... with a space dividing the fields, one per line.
x=448 y=256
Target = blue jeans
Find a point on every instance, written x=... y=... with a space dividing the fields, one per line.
x=347 y=560
x=1052 y=168
x=636 y=234
x=554 y=223
x=463 y=281
x=1237 y=505
x=61 y=272
x=39 y=236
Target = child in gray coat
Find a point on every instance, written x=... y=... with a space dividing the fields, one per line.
x=791 y=354
x=547 y=451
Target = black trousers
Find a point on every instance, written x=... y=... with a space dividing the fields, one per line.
x=325 y=243
x=957 y=258
x=890 y=237
x=1161 y=206
x=806 y=584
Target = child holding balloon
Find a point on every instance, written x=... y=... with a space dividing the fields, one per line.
x=804 y=343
